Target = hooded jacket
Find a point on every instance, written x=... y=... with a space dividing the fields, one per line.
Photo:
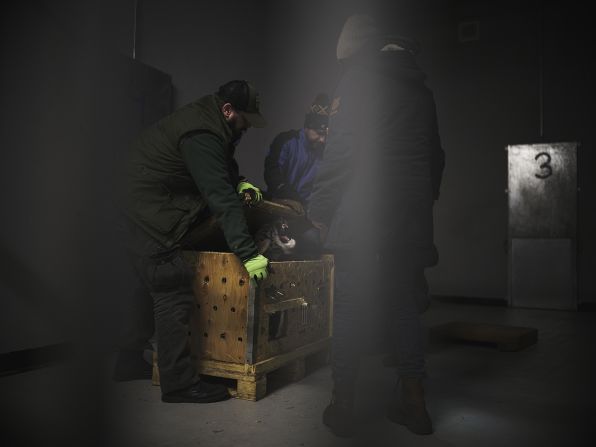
x=383 y=160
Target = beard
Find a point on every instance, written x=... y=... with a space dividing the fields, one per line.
x=237 y=132
x=316 y=146
x=237 y=136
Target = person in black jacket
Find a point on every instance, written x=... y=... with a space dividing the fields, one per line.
x=372 y=202
x=182 y=170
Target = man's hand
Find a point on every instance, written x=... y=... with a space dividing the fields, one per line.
x=295 y=205
x=257 y=267
x=249 y=193
x=323 y=230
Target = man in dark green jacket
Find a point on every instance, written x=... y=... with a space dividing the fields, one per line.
x=182 y=170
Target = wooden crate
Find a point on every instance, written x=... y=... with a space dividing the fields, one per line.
x=242 y=331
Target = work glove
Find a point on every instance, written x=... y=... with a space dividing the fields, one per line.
x=257 y=267
x=249 y=193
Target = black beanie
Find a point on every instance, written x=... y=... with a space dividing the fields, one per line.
x=317 y=116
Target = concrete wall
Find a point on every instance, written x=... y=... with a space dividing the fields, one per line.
x=62 y=124
x=488 y=95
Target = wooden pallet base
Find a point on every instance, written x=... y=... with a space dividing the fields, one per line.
x=251 y=380
x=155 y=372
x=249 y=389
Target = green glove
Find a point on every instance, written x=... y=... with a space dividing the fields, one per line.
x=257 y=267
x=244 y=186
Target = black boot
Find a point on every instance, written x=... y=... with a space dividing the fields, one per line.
x=130 y=365
x=200 y=393
x=339 y=414
x=408 y=407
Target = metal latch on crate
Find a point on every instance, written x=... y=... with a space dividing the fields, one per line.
x=285 y=305
x=292 y=303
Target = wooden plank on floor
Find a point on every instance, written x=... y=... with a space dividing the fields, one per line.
x=505 y=337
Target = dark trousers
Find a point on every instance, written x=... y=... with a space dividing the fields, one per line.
x=162 y=304
x=376 y=296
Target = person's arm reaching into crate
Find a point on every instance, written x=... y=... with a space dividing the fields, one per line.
x=206 y=160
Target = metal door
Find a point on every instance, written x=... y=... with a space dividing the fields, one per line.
x=542 y=190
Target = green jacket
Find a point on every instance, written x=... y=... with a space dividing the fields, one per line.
x=181 y=166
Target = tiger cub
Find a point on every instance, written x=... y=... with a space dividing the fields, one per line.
x=274 y=240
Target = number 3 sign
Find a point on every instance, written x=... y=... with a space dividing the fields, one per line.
x=546 y=169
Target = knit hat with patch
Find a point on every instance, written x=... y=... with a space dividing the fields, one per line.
x=317 y=116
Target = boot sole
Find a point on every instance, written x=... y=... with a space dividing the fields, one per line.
x=131 y=377
x=206 y=400
x=339 y=433
x=400 y=418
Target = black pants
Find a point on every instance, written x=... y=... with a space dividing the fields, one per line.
x=373 y=293
x=162 y=304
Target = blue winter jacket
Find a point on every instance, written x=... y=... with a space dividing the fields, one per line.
x=291 y=166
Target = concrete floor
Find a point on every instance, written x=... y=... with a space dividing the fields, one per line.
x=477 y=396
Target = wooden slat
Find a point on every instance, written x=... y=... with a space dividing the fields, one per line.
x=228 y=370
x=251 y=389
x=220 y=318
x=330 y=268
x=236 y=371
x=276 y=362
x=506 y=338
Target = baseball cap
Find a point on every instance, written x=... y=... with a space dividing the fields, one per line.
x=245 y=99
